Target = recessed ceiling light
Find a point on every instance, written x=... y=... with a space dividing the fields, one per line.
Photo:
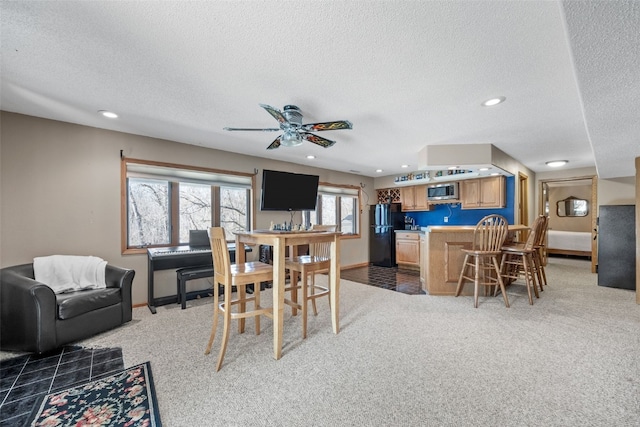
x=493 y=101
x=484 y=169
x=378 y=170
x=452 y=168
x=557 y=163
x=494 y=173
x=108 y=114
x=311 y=156
x=404 y=166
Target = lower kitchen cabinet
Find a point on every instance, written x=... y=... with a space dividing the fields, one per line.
x=408 y=250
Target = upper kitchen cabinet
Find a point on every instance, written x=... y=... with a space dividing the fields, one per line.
x=483 y=193
x=414 y=198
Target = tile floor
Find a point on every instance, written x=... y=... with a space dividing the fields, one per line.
x=392 y=278
x=24 y=380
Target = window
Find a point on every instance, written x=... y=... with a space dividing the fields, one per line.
x=337 y=205
x=164 y=201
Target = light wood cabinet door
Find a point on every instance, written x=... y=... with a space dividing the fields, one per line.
x=470 y=193
x=408 y=250
x=420 y=198
x=414 y=198
x=407 y=198
x=483 y=193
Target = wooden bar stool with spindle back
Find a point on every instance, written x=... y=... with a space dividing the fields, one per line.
x=481 y=261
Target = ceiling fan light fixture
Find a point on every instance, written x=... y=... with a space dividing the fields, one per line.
x=291 y=139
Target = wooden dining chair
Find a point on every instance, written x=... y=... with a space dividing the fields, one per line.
x=239 y=276
x=538 y=255
x=520 y=259
x=308 y=266
x=480 y=264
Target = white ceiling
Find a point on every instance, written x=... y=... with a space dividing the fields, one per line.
x=406 y=73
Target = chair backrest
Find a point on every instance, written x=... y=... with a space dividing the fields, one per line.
x=220 y=254
x=542 y=232
x=490 y=233
x=321 y=250
x=535 y=233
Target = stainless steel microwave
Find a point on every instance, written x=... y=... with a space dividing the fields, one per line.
x=443 y=191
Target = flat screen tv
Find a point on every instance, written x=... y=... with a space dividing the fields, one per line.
x=286 y=191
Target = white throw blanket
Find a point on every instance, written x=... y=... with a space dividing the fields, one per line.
x=69 y=273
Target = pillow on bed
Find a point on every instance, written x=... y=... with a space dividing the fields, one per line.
x=70 y=273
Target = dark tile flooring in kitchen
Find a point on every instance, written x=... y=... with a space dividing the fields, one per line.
x=392 y=278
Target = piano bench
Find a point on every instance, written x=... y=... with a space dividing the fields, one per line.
x=190 y=273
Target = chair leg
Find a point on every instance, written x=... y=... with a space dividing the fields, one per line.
x=305 y=299
x=216 y=314
x=476 y=281
x=537 y=262
x=242 y=307
x=225 y=332
x=500 y=281
x=313 y=291
x=461 y=279
x=527 y=276
x=256 y=306
x=294 y=276
x=534 y=273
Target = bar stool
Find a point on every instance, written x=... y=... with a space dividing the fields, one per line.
x=239 y=275
x=482 y=259
x=317 y=261
x=520 y=258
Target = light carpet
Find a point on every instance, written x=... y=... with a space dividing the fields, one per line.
x=413 y=360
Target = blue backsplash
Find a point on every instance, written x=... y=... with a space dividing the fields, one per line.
x=458 y=216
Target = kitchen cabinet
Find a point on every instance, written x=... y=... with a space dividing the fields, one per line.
x=414 y=198
x=483 y=193
x=408 y=249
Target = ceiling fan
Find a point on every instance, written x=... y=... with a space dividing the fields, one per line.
x=295 y=132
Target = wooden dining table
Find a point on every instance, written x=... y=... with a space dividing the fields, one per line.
x=279 y=240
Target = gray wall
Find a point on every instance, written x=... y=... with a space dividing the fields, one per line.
x=60 y=192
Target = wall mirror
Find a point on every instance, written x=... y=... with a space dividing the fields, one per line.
x=572 y=206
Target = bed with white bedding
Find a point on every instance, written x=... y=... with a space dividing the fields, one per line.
x=569 y=242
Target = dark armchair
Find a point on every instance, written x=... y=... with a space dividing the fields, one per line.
x=35 y=319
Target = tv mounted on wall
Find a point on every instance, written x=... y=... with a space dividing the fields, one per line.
x=287 y=191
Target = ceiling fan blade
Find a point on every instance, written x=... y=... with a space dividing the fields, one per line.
x=261 y=130
x=323 y=142
x=340 y=124
x=275 y=144
x=275 y=113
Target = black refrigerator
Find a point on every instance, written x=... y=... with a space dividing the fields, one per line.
x=384 y=218
x=617 y=246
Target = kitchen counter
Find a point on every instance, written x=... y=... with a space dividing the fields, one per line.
x=442 y=257
x=466 y=228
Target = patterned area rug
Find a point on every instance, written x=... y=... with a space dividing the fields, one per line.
x=123 y=399
x=26 y=379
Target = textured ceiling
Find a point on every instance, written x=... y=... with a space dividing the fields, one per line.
x=406 y=73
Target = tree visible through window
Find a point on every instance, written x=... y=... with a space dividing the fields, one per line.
x=161 y=199
x=148 y=209
x=338 y=206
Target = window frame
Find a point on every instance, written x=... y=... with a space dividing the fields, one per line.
x=174 y=212
x=341 y=190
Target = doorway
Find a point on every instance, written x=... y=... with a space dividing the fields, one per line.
x=523 y=199
x=547 y=206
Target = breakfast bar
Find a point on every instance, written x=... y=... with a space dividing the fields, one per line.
x=442 y=256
